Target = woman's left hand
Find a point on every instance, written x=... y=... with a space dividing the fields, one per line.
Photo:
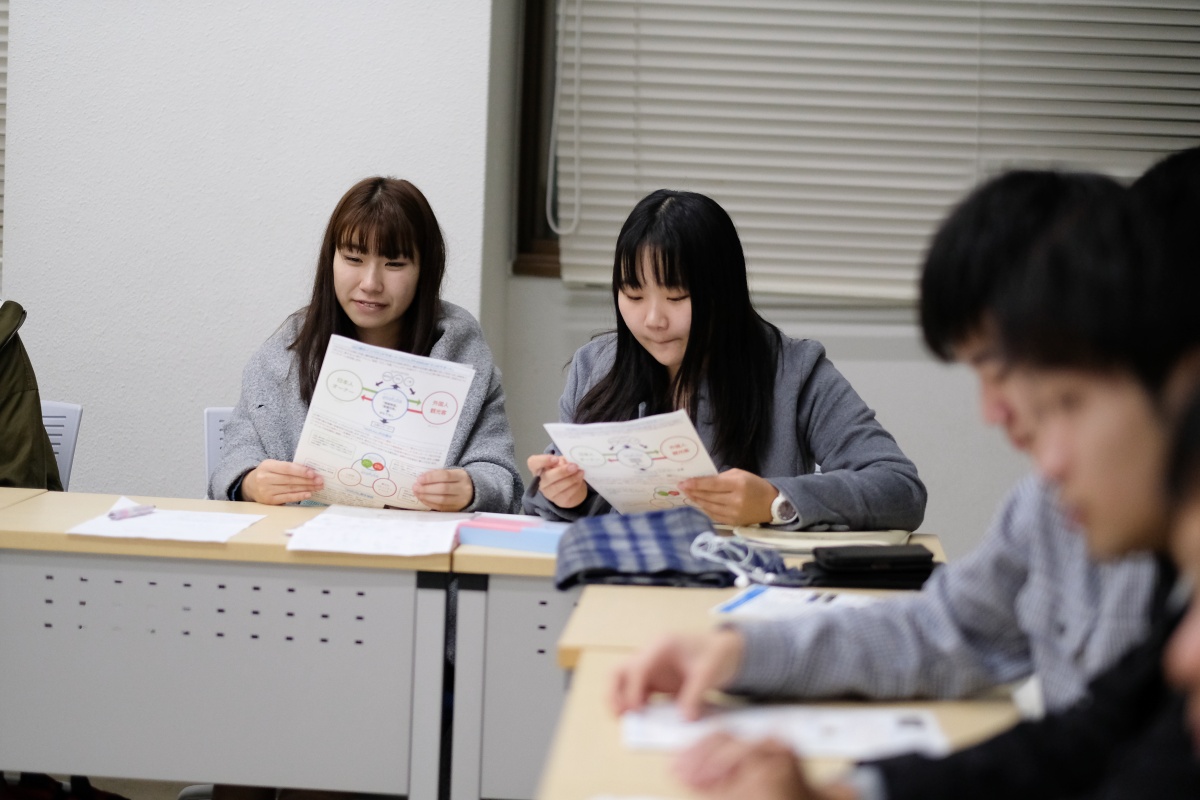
x=445 y=489
x=735 y=497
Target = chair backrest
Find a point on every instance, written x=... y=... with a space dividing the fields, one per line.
x=62 y=423
x=214 y=438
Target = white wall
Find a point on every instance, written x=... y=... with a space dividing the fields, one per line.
x=929 y=407
x=171 y=168
x=170 y=171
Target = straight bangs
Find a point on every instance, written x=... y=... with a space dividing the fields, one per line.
x=379 y=228
x=662 y=261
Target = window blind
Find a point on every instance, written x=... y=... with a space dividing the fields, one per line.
x=837 y=134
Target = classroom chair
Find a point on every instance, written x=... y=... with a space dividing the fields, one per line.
x=62 y=424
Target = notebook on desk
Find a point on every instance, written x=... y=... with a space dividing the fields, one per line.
x=805 y=541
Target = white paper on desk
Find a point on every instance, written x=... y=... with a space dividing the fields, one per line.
x=777 y=602
x=378 y=419
x=854 y=733
x=636 y=465
x=378 y=532
x=180 y=526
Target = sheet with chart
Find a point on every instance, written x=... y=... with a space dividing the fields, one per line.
x=378 y=419
x=636 y=465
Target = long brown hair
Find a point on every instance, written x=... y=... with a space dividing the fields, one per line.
x=381 y=216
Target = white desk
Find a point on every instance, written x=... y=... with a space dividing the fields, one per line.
x=235 y=663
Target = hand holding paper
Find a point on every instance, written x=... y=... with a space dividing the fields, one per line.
x=635 y=465
x=560 y=481
x=379 y=419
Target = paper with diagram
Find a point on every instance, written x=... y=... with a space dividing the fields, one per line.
x=378 y=419
x=636 y=465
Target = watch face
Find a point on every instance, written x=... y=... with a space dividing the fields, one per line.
x=782 y=510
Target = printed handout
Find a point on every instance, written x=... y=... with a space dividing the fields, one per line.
x=636 y=465
x=779 y=602
x=376 y=531
x=378 y=419
x=820 y=731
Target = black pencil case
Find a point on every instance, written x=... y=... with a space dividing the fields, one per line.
x=905 y=566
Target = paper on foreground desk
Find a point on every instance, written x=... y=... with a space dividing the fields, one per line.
x=825 y=730
x=588 y=759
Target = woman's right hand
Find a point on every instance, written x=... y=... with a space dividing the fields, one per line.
x=561 y=482
x=274 y=483
x=685 y=666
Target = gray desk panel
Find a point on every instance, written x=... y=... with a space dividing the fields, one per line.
x=207 y=671
x=523 y=687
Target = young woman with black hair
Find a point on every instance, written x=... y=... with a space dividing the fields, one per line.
x=378 y=280
x=768 y=408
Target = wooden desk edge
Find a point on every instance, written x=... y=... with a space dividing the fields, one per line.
x=46 y=516
x=11 y=496
x=473 y=559
x=246 y=552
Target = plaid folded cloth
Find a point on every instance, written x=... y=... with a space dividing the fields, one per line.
x=649 y=549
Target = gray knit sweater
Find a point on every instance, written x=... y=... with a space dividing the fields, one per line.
x=269 y=416
x=865 y=482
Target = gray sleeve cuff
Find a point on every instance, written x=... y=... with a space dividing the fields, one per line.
x=767 y=661
x=867 y=783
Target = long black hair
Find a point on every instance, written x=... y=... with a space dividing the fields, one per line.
x=380 y=216
x=688 y=242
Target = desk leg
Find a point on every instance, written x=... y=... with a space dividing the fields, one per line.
x=467 y=745
x=428 y=669
x=523 y=687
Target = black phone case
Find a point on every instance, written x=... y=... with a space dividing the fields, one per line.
x=873 y=558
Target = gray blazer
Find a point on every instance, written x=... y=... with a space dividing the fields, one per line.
x=865 y=482
x=269 y=416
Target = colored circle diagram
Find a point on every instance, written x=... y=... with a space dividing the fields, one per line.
x=587 y=456
x=439 y=408
x=679 y=448
x=344 y=385
x=390 y=404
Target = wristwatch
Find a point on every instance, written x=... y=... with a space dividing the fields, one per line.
x=782 y=511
